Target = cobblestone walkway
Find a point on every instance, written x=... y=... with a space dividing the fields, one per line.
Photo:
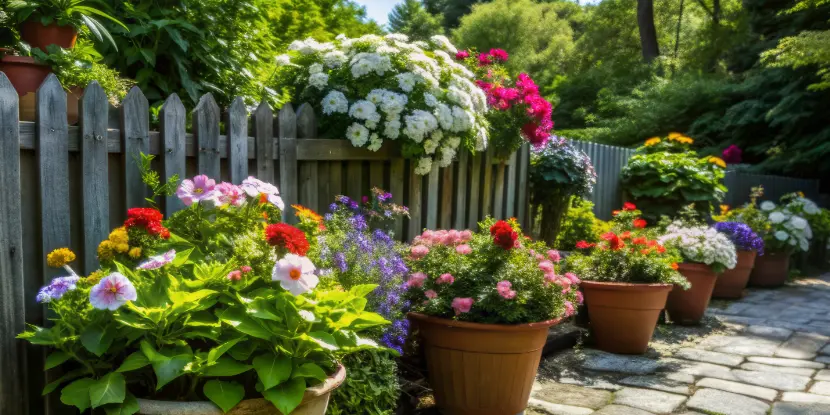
x=768 y=353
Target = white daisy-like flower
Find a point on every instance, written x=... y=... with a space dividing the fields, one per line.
x=424 y=166
x=335 y=102
x=295 y=274
x=357 y=134
x=782 y=236
x=767 y=205
x=363 y=110
x=318 y=80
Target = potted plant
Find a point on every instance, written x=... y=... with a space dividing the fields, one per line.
x=731 y=283
x=802 y=206
x=212 y=311
x=706 y=253
x=56 y=22
x=788 y=233
x=627 y=277
x=482 y=304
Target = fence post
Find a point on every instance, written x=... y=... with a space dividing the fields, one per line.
x=522 y=202
x=172 y=131
x=135 y=139
x=432 y=196
x=264 y=139
x=94 y=110
x=288 y=160
x=461 y=190
x=415 y=189
x=396 y=186
x=309 y=179
x=13 y=398
x=237 y=125
x=206 y=130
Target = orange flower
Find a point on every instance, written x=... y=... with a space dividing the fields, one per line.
x=661 y=249
x=263 y=198
x=639 y=223
x=639 y=241
x=674 y=266
x=625 y=235
x=615 y=212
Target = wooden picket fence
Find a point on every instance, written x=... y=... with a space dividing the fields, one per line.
x=63 y=185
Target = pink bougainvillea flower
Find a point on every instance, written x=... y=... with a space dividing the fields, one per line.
x=295 y=274
x=418 y=251
x=112 y=292
x=499 y=54
x=484 y=59
x=462 y=305
x=255 y=187
x=158 y=261
x=195 y=190
x=732 y=154
x=461 y=55
x=416 y=280
x=526 y=85
x=503 y=287
x=554 y=256
x=445 y=279
x=464 y=249
x=546 y=266
x=227 y=194
x=431 y=294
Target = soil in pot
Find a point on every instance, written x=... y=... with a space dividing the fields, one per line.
x=481 y=369
x=41 y=36
x=771 y=270
x=686 y=307
x=623 y=316
x=315 y=402
x=24 y=72
x=732 y=282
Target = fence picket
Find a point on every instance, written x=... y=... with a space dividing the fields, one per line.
x=206 y=131
x=432 y=197
x=522 y=208
x=498 y=192
x=135 y=136
x=354 y=179
x=172 y=130
x=415 y=194
x=446 y=197
x=335 y=179
x=264 y=139
x=13 y=394
x=396 y=185
x=475 y=193
x=237 y=124
x=376 y=174
x=94 y=115
x=461 y=175
x=324 y=193
x=288 y=158
x=309 y=180
x=487 y=185
x=510 y=189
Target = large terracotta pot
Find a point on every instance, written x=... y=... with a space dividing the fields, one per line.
x=771 y=270
x=686 y=307
x=732 y=282
x=39 y=36
x=481 y=369
x=623 y=316
x=315 y=401
x=25 y=74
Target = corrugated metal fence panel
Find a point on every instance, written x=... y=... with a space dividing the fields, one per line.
x=740 y=183
x=608 y=163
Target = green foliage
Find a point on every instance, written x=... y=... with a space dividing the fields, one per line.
x=580 y=224
x=77 y=13
x=152 y=179
x=413 y=20
x=560 y=170
x=77 y=67
x=808 y=48
x=371 y=386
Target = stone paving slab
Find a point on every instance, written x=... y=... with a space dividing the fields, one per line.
x=821 y=388
x=608 y=362
x=805 y=398
x=769 y=332
x=791 y=408
x=648 y=400
x=826 y=350
x=548 y=408
x=657 y=383
x=776 y=361
x=621 y=410
x=778 y=369
x=572 y=395
x=779 y=381
x=741 y=345
x=802 y=346
x=701 y=369
x=823 y=375
x=740 y=388
x=823 y=359
x=726 y=403
x=707 y=356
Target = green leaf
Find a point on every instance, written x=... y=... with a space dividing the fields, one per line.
x=134 y=361
x=51 y=386
x=224 y=394
x=226 y=366
x=243 y=351
x=38 y=335
x=111 y=388
x=170 y=368
x=309 y=370
x=96 y=339
x=181 y=257
x=362 y=290
x=324 y=339
x=55 y=359
x=77 y=393
x=236 y=318
x=218 y=351
x=272 y=369
x=287 y=396
x=128 y=407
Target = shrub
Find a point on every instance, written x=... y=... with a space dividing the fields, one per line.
x=371 y=385
x=701 y=244
x=788 y=231
x=580 y=224
x=748 y=214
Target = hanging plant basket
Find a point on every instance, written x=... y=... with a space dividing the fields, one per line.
x=40 y=36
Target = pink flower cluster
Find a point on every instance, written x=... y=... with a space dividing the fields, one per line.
x=236 y=275
x=525 y=94
x=462 y=305
x=451 y=237
x=504 y=289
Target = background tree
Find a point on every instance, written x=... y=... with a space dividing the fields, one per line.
x=412 y=19
x=648 y=33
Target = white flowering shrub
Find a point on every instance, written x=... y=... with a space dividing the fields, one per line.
x=377 y=88
x=701 y=244
x=788 y=231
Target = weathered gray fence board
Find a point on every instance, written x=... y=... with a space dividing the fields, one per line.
x=13 y=399
x=264 y=133
x=522 y=202
x=415 y=190
x=324 y=193
x=608 y=162
x=288 y=158
x=376 y=174
x=487 y=186
x=460 y=210
x=475 y=193
x=94 y=116
x=172 y=131
x=335 y=179
x=135 y=130
x=432 y=197
x=237 y=124
x=498 y=192
x=206 y=130
x=446 y=198
x=396 y=187
x=510 y=189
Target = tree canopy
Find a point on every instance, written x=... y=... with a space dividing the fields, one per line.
x=413 y=19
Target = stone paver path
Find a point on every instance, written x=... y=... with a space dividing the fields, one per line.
x=768 y=353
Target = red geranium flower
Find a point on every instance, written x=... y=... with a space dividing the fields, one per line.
x=147 y=218
x=629 y=206
x=639 y=223
x=584 y=245
x=625 y=235
x=614 y=241
x=504 y=235
x=639 y=241
x=661 y=249
x=287 y=237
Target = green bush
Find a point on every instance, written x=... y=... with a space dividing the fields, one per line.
x=371 y=386
x=580 y=225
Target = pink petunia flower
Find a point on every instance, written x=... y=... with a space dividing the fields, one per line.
x=195 y=190
x=227 y=194
x=546 y=266
x=416 y=280
x=572 y=278
x=112 y=292
x=550 y=278
x=462 y=305
x=295 y=274
x=503 y=287
x=246 y=269
x=255 y=187
x=464 y=249
x=445 y=279
x=431 y=294
x=466 y=235
x=418 y=251
x=158 y=261
x=235 y=275
x=579 y=297
x=554 y=256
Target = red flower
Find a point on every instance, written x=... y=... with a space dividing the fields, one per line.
x=614 y=241
x=661 y=249
x=651 y=243
x=629 y=206
x=504 y=235
x=640 y=241
x=639 y=223
x=147 y=218
x=484 y=59
x=461 y=55
x=644 y=251
x=584 y=245
x=625 y=235
x=287 y=237
x=499 y=54
x=674 y=266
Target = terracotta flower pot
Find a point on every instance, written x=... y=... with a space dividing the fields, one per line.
x=686 y=307
x=771 y=270
x=732 y=282
x=481 y=369
x=315 y=401
x=39 y=36
x=24 y=72
x=623 y=316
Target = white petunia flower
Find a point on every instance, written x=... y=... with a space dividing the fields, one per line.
x=295 y=274
x=462 y=120
x=446 y=155
x=374 y=142
x=444 y=115
x=424 y=166
x=400 y=37
x=781 y=235
x=798 y=222
x=335 y=102
x=357 y=134
x=318 y=80
x=430 y=146
x=406 y=81
x=430 y=99
x=767 y=205
x=482 y=139
x=392 y=130
x=363 y=110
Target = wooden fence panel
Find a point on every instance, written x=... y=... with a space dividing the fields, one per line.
x=206 y=130
x=288 y=159
x=432 y=197
x=94 y=115
x=135 y=128
x=172 y=130
x=237 y=124
x=264 y=136
x=475 y=193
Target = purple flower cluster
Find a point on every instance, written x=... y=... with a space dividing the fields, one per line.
x=742 y=236
x=57 y=288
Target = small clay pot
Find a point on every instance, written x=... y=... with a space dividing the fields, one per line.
x=481 y=369
x=686 y=307
x=24 y=72
x=623 y=315
x=40 y=36
x=771 y=270
x=732 y=282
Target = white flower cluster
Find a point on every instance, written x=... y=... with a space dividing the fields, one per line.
x=386 y=88
x=788 y=228
x=701 y=244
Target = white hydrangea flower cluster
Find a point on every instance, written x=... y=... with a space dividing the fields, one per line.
x=701 y=244
x=787 y=229
x=388 y=88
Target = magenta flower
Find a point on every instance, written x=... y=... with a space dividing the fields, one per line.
x=732 y=154
x=499 y=54
x=445 y=279
x=158 y=261
x=112 y=292
x=526 y=85
x=195 y=190
x=416 y=280
x=462 y=305
x=431 y=294
x=503 y=287
x=419 y=251
x=546 y=266
x=554 y=256
x=461 y=55
x=464 y=249
x=484 y=59
x=227 y=194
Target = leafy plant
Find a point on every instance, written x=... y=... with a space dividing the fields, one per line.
x=371 y=386
x=701 y=244
x=748 y=214
x=77 y=13
x=79 y=66
x=788 y=231
x=580 y=224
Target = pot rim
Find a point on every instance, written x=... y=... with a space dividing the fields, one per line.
x=26 y=60
x=693 y=265
x=482 y=326
x=626 y=286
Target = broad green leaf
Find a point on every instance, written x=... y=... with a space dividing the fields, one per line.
x=218 y=351
x=226 y=366
x=166 y=368
x=182 y=257
x=236 y=318
x=224 y=394
x=128 y=407
x=38 y=335
x=111 y=388
x=287 y=396
x=51 y=386
x=77 y=393
x=309 y=370
x=324 y=339
x=133 y=319
x=134 y=361
x=55 y=359
x=362 y=290
x=264 y=309
x=243 y=351
x=97 y=339
x=272 y=369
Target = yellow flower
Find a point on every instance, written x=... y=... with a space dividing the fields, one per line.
x=94 y=277
x=673 y=136
x=60 y=257
x=106 y=250
x=119 y=236
x=135 y=253
x=652 y=141
x=305 y=213
x=122 y=248
x=686 y=140
x=724 y=209
x=800 y=194
x=717 y=161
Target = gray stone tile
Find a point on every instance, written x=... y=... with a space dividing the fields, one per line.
x=741 y=345
x=802 y=346
x=736 y=308
x=740 y=319
x=821 y=388
x=657 y=383
x=769 y=332
x=740 y=388
x=805 y=397
x=758 y=311
x=825 y=350
x=777 y=361
x=587 y=380
x=778 y=369
x=701 y=369
x=823 y=359
x=707 y=356
x=572 y=395
x=791 y=408
x=823 y=374
x=621 y=410
x=649 y=400
x=779 y=381
x=726 y=403
x=548 y=408
x=607 y=362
